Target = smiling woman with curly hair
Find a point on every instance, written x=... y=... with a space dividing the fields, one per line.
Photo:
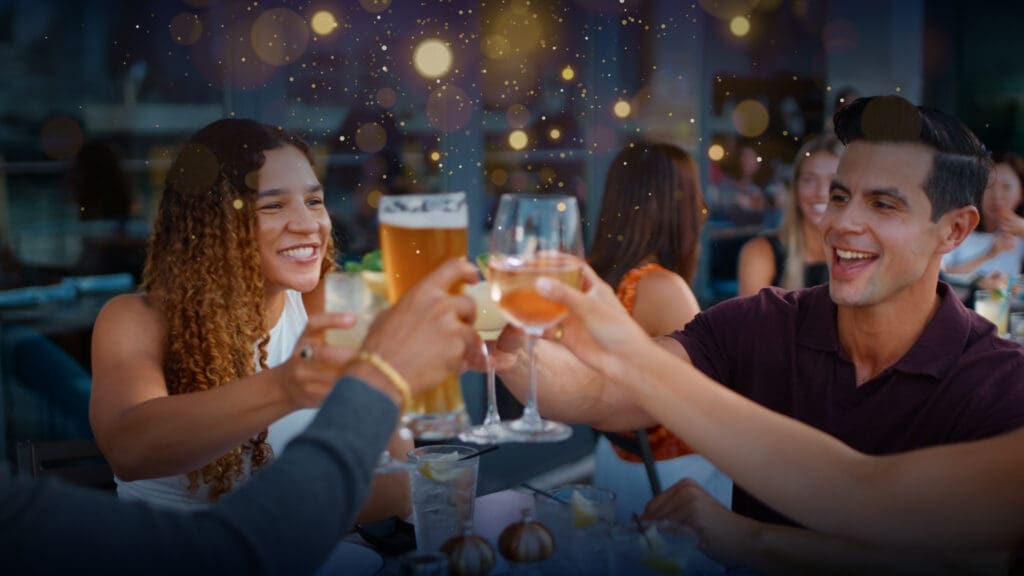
x=195 y=381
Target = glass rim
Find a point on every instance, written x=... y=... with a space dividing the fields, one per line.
x=462 y=450
x=587 y=490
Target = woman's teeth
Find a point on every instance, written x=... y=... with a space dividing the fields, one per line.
x=850 y=255
x=302 y=252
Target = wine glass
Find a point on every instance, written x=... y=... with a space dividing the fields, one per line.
x=347 y=292
x=534 y=236
x=490 y=321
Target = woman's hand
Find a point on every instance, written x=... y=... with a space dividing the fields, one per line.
x=1010 y=223
x=310 y=373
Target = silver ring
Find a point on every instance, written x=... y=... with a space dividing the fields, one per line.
x=306 y=353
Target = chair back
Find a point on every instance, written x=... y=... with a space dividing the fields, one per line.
x=76 y=461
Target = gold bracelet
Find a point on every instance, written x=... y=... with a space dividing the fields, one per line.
x=392 y=375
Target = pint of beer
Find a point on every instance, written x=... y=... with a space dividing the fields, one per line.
x=417 y=234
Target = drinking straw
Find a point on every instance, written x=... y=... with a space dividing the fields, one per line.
x=480 y=452
x=544 y=493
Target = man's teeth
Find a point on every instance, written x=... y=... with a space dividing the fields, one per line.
x=848 y=255
x=302 y=252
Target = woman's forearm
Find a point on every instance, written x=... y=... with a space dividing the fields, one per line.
x=175 y=434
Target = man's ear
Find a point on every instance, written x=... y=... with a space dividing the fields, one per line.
x=956 y=225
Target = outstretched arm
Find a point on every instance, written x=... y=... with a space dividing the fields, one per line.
x=285 y=520
x=288 y=516
x=959 y=495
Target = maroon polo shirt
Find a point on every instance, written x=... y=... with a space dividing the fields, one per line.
x=959 y=381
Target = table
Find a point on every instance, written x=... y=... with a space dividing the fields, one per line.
x=492 y=513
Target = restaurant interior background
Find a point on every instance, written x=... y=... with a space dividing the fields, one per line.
x=396 y=96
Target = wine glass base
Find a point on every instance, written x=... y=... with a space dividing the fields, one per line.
x=437 y=425
x=484 y=434
x=548 y=431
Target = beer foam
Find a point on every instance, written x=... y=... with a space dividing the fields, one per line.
x=447 y=210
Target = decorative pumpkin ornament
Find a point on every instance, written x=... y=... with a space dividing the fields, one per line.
x=526 y=541
x=468 y=554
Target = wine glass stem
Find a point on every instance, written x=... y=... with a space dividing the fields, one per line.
x=492 y=418
x=531 y=417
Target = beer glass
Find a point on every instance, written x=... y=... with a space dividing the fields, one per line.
x=534 y=237
x=418 y=233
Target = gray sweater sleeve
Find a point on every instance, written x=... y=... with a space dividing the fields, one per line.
x=284 y=521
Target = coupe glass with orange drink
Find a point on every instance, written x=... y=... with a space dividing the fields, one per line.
x=534 y=236
x=418 y=233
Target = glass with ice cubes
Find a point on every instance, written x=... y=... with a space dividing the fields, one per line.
x=443 y=485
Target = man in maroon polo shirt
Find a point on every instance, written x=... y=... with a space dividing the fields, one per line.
x=884 y=357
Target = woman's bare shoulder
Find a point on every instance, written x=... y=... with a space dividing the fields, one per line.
x=134 y=313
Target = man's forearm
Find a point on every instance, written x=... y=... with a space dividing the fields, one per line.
x=285 y=520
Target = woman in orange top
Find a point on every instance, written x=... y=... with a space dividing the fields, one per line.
x=646 y=244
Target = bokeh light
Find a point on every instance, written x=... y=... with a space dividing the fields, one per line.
x=517 y=116
x=750 y=118
x=185 y=28
x=716 y=152
x=435 y=156
x=739 y=26
x=371 y=137
x=449 y=108
x=622 y=109
x=279 y=36
x=375 y=6
x=554 y=134
x=568 y=73
x=518 y=139
x=726 y=9
x=323 y=22
x=386 y=97
x=499 y=177
x=495 y=46
x=432 y=58
x=61 y=138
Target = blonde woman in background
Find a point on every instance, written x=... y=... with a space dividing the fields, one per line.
x=794 y=257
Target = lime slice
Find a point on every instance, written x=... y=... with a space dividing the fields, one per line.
x=377 y=282
x=481 y=263
x=441 y=470
x=584 y=512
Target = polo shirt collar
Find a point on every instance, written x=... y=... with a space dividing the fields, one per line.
x=934 y=353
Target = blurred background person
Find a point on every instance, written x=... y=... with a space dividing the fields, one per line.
x=794 y=256
x=739 y=197
x=646 y=244
x=994 y=251
x=113 y=237
x=192 y=390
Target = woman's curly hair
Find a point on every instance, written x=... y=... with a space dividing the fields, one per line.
x=203 y=272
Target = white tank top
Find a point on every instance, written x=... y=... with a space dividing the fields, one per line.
x=172 y=491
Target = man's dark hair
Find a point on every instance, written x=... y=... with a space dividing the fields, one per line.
x=961 y=166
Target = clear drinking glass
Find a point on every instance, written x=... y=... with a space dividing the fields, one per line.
x=443 y=487
x=348 y=292
x=534 y=236
x=994 y=307
x=418 y=233
x=490 y=321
